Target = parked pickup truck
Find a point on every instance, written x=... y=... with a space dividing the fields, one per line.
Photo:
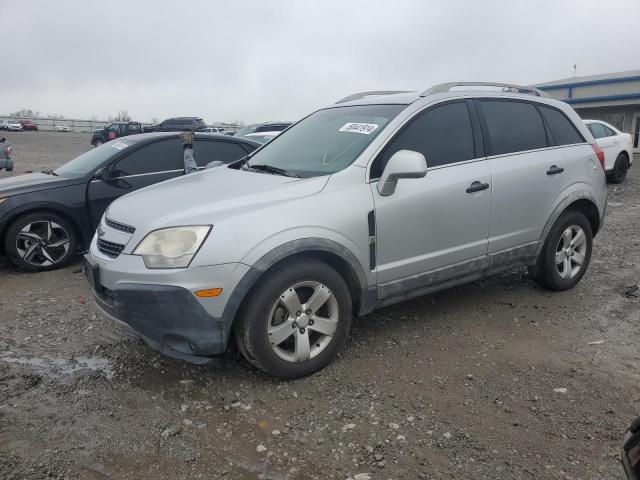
x=115 y=130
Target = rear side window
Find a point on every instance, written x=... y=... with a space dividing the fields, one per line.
x=208 y=151
x=610 y=133
x=156 y=157
x=597 y=129
x=562 y=129
x=513 y=126
x=443 y=134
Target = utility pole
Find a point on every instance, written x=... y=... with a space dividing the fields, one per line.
x=575 y=66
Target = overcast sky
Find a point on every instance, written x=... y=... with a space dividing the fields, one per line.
x=278 y=60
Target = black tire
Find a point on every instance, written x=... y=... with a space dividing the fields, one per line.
x=38 y=262
x=619 y=172
x=545 y=272
x=251 y=326
x=97 y=142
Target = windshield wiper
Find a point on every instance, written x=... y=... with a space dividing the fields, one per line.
x=269 y=169
x=50 y=172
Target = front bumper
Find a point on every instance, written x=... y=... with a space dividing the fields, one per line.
x=160 y=304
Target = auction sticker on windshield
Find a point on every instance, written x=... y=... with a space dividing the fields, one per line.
x=365 y=128
x=119 y=145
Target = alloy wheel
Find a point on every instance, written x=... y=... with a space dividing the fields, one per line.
x=302 y=321
x=43 y=243
x=571 y=251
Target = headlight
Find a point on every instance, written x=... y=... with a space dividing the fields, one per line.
x=172 y=247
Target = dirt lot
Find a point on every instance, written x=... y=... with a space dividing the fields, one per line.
x=454 y=385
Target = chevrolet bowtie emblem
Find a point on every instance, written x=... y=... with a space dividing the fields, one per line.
x=100 y=231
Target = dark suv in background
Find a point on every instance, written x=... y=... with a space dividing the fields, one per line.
x=178 y=124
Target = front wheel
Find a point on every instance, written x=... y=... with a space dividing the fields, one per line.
x=566 y=253
x=97 y=142
x=40 y=241
x=296 y=319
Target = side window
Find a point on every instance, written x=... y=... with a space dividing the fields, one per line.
x=208 y=151
x=513 y=126
x=155 y=157
x=443 y=134
x=114 y=127
x=610 y=133
x=564 y=132
x=597 y=129
x=134 y=128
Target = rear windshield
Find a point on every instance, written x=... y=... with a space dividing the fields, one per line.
x=327 y=141
x=91 y=160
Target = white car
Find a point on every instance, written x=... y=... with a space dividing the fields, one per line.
x=62 y=128
x=617 y=148
x=14 y=127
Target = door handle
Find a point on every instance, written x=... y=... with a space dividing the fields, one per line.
x=554 y=169
x=477 y=187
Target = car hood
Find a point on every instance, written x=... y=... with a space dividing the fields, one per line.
x=33 y=182
x=207 y=197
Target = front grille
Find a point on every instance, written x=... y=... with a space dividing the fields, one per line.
x=120 y=226
x=109 y=248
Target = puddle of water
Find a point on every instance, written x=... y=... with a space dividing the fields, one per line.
x=62 y=366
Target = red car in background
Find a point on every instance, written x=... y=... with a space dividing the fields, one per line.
x=29 y=125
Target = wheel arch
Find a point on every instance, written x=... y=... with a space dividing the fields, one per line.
x=580 y=202
x=328 y=251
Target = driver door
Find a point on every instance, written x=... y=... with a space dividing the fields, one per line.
x=152 y=163
x=434 y=229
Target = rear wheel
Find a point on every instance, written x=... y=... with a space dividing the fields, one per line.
x=619 y=172
x=566 y=253
x=40 y=241
x=296 y=320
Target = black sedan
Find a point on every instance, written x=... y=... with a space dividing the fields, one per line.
x=45 y=218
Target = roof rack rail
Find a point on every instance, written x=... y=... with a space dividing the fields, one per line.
x=357 y=96
x=506 y=87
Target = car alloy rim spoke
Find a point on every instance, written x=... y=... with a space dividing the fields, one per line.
x=280 y=333
x=579 y=239
x=325 y=326
x=566 y=268
x=291 y=301
x=577 y=258
x=29 y=252
x=566 y=237
x=59 y=243
x=303 y=348
x=320 y=296
x=29 y=235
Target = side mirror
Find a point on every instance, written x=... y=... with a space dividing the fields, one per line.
x=402 y=164
x=103 y=174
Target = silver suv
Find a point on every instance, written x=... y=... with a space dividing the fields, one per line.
x=382 y=197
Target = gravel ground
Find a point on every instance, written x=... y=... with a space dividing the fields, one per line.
x=467 y=383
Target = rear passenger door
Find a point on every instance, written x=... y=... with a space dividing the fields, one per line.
x=528 y=174
x=434 y=228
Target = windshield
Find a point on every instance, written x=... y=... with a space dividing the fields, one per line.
x=89 y=161
x=327 y=141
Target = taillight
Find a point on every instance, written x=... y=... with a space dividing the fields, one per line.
x=599 y=154
x=7 y=150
